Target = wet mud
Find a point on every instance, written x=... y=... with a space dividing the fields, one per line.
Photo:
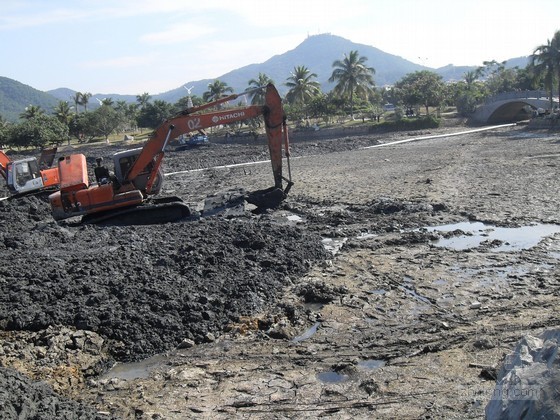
x=388 y=284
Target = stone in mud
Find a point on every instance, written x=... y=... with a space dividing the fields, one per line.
x=529 y=380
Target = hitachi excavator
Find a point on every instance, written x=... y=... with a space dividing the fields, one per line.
x=29 y=175
x=126 y=195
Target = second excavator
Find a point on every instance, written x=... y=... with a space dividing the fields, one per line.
x=127 y=196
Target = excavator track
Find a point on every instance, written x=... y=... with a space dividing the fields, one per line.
x=41 y=194
x=157 y=211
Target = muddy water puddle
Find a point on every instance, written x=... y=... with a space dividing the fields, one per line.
x=135 y=370
x=502 y=239
x=371 y=364
x=331 y=377
x=307 y=334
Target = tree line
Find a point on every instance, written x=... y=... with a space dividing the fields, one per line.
x=354 y=94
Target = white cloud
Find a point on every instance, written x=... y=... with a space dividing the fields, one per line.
x=121 y=62
x=176 y=34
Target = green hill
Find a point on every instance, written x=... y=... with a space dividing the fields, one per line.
x=15 y=96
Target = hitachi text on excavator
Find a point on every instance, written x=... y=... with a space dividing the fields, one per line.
x=128 y=195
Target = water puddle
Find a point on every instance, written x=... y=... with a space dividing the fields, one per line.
x=294 y=218
x=135 y=370
x=409 y=290
x=332 y=377
x=505 y=239
x=371 y=364
x=333 y=245
x=307 y=334
x=366 y=235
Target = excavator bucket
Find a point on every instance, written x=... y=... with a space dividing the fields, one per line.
x=4 y=160
x=47 y=158
x=277 y=133
x=269 y=198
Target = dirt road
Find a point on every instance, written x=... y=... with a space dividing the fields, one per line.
x=343 y=303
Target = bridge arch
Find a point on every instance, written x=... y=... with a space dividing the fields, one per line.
x=511 y=107
x=511 y=111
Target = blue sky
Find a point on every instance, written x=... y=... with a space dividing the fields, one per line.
x=136 y=46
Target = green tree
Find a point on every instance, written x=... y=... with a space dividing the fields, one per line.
x=545 y=62
x=470 y=79
x=153 y=114
x=85 y=100
x=424 y=88
x=353 y=78
x=77 y=98
x=127 y=114
x=497 y=78
x=106 y=102
x=31 y=112
x=103 y=121
x=38 y=131
x=79 y=128
x=4 y=127
x=216 y=90
x=183 y=103
x=302 y=86
x=143 y=99
x=63 y=113
x=257 y=96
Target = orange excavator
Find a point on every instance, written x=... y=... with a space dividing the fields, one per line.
x=127 y=196
x=30 y=175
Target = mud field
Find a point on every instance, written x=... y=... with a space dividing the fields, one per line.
x=389 y=284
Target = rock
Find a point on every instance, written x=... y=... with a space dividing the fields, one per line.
x=529 y=380
x=186 y=344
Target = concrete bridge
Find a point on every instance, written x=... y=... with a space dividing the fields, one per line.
x=512 y=106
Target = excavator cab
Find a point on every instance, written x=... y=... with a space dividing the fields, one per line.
x=29 y=175
x=23 y=176
x=123 y=162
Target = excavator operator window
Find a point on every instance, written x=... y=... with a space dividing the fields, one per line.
x=23 y=173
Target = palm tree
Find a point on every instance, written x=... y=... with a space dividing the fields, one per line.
x=31 y=111
x=63 y=112
x=470 y=78
x=77 y=98
x=216 y=90
x=302 y=86
x=257 y=96
x=106 y=102
x=143 y=99
x=85 y=100
x=353 y=77
x=545 y=62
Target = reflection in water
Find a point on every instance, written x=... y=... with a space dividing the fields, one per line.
x=510 y=239
x=332 y=377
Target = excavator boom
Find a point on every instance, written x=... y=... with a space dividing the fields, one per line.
x=193 y=120
x=138 y=172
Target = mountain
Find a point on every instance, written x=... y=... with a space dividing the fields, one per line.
x=15 y=96
x=317 y=53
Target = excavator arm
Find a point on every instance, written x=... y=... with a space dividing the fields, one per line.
x=194 y=120
x=124 y=197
